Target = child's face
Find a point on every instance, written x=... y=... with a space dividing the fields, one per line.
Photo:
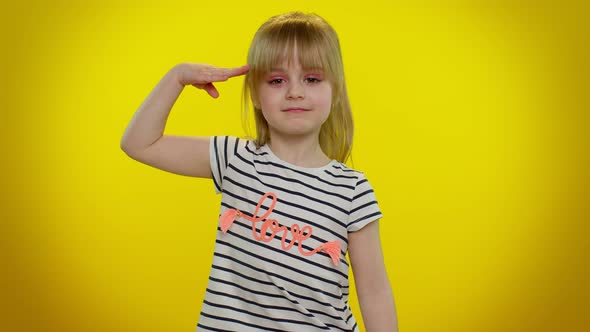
x=295 y=101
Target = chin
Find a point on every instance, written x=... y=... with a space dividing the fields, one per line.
x=297 y=131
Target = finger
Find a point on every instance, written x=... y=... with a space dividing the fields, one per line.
x=211 y=90
x=217 y=76
x=237 y=71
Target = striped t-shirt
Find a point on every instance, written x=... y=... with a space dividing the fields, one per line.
x=292 y=276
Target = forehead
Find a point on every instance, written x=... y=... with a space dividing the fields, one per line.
x=288 y=68
x=291 y=54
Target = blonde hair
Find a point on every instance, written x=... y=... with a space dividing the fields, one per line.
x=317 y=47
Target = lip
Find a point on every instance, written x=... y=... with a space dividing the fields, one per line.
x=296 y=109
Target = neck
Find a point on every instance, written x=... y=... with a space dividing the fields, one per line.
x=304 y=151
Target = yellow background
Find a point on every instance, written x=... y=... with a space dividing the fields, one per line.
x=471 y=123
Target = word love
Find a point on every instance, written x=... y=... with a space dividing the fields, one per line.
x=298 y=234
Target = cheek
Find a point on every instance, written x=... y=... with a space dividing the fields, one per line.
x=327 y=103
x=267 y=97
x=267 y=111
x=326 y=99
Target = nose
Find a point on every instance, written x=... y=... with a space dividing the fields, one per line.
x=295 y=90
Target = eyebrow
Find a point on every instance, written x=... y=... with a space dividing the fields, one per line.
x=281 y=69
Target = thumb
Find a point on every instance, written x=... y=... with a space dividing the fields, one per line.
x=211 y=90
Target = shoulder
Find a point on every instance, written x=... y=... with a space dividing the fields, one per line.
x=342 y=170
x=229 y=145
x=231 y=140
x=224 y=149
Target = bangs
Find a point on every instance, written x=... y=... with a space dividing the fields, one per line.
x=283 y=43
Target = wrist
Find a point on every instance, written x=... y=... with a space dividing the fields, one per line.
x=177 y=73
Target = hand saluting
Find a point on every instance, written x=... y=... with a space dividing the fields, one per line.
x=202 y=76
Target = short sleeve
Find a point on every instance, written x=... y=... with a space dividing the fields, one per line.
x=221 y=150
x=364 y=208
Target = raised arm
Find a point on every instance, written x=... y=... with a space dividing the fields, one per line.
x=371 y=281
x=143 y=139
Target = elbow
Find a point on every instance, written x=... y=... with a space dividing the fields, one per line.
x=128 y=143
x=133 y=146
x=125 y=147
x=124 y=143
x=133 y=151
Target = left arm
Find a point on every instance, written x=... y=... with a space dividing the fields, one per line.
x=371 y=281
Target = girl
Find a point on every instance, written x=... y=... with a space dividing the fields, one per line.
x=290 y=208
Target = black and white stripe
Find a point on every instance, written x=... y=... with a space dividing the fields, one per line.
x=257 y=285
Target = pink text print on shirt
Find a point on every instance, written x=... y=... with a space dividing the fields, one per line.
x=299 y=234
